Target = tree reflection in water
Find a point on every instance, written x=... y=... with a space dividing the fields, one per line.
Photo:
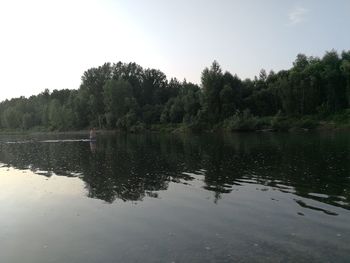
x=130 y=167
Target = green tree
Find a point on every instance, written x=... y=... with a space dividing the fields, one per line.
x=345 y=68
x=118 y=100
x=93 y=81
x=212 y=84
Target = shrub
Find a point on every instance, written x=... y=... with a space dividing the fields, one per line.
x=280 y=122
x=306 y=124
x=241 y=121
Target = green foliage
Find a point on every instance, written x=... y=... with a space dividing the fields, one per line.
x=281 y=125
x=118 y=101
x=127 y=97
x=345 y=69
x=241 y=121
x=306 y=123
x=212 y=84
x=342 y=117
x=11 y=118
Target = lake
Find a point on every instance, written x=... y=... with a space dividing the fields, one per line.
x=252 y=197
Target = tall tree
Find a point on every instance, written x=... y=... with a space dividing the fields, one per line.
x=93 y=81
x=212 y=84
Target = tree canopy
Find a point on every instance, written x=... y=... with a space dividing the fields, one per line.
x=125 y=95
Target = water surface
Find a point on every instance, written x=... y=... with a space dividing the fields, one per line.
x=171 y=198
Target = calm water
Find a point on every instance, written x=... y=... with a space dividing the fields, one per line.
x=167 y=198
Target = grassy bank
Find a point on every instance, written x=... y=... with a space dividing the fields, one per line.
x=240 y=122
x=247 y=122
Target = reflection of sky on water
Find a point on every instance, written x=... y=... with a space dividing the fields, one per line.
x=28 y=185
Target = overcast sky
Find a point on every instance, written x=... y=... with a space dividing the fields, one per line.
x=49 y=44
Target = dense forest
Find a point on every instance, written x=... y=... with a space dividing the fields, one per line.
x=128 y=97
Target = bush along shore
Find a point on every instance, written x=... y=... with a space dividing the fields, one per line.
x=313 y=94
x=239 y=122
x=246 y=122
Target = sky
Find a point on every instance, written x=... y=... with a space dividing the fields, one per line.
x=48 y=44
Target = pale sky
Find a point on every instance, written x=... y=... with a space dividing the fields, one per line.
x=49 y=44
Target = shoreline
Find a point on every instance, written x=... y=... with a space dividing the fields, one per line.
x=182 y=129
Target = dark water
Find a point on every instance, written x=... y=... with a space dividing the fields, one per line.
x=164 y=198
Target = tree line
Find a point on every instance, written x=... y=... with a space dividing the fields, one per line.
x=128 y=97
